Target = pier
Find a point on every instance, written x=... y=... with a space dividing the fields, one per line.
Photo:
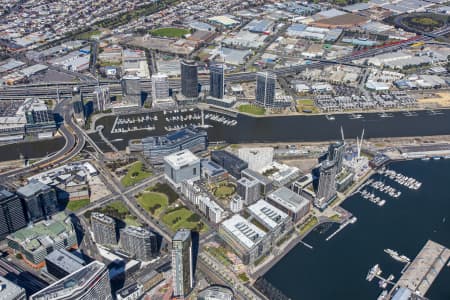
x=342 y=226
x=424 y=269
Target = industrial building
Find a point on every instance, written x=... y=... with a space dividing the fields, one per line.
x=39 y=199
x=104 y=229
x=141 y=243
x=61 y=263
x=181 y=166
x=89 y=282
x=246 y=239
x=37 y=241
x=289 y=202
x=10 y=291
x=12 y=213
x=182 y=263
x=155 y=148
x=230 y=162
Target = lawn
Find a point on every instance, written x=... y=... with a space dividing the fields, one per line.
x=153 y=202
x=165 y=189
x=181 y=217
x=132 y=221
x=78 y=204
x=252 y=109
x=307 y=106
x=220 y=254
x=170 y=32
x=136 y=172
x=120 y=207
x=88 y=35
x=224 y=190
x=309 y=224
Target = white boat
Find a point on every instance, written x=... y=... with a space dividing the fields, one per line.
x=425 y=158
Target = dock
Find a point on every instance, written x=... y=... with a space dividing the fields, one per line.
x=342 y=226
x=424 y=269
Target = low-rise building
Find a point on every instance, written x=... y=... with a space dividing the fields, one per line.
x=246 y=239
x=276 y=221
x=37 y=241
x=249 y=190
x=289 y=202
x=61 y=263
x=131 y=292
x=11 y=291
x=230 y=162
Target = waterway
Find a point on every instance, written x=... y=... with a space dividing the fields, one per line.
x=336 y=269
x=304 y=128
x=268 y=129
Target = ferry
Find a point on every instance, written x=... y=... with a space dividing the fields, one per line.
x=395 y=255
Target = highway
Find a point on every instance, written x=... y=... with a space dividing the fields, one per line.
x=75 y=142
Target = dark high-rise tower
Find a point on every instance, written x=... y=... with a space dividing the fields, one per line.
x=326 y=190
x=265 y=88
x=12 y=215
x=336 y=154
x=182 y=266
x=189 y=79
x=216 y=81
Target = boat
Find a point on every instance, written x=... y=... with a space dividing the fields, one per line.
x=447 y=157
x=375 y=270
x=436 y=157
x=330 y=118
x=395 y=255
x=425 y=158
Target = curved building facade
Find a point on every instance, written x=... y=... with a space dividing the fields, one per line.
x=189 y=79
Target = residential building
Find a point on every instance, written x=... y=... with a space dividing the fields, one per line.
x=182 y=265
x=156 y=147
x=141 y=243
x=336 y=154
x=104 y=229
x=202 y=201
x=37 y=241
x=326 y=191
x=236 y=203
x=160 y=86
x=217 y=81
x=39 y=199
x=12 y=213
x=216 y=292
x=249 y=190
x=289 y=202
x=189 y=79
x=265 y=88
x=276 y=221
x=61 y=263
x=131 y=88
x=131 y=292
x=230 y=162
x=246 y=239
x=10 y=291
x=181 y=166
x=89 y=282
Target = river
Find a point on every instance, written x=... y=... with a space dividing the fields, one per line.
x=336 y=269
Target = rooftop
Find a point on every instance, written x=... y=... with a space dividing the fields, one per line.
x=180 y=159
x=270 y=215
x=9 y=290
x=72 y=283
x=32 y=188
x=182 y=235
x=102 y=218
x=288 y=199
x=65 y=260
x=247 y=233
